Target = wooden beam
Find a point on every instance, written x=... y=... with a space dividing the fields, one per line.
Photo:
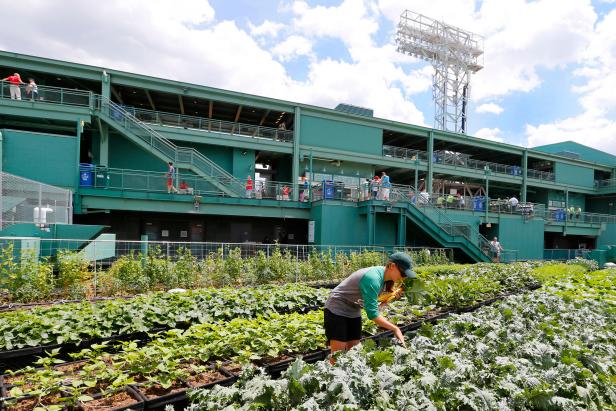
x=237 y=117
x=181 y=105
x=261 y=122
x=147 y=94
x=117 y=95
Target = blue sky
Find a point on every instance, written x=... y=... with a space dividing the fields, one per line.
x=552 y=100
x=550 y=65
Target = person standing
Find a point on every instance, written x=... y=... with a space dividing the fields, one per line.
x=249 y=187
x=375 y=186
x=14 y=81
x=170 y=176
x=342 y=313
x=385 y=186
x=32 y=90
x=496 y=249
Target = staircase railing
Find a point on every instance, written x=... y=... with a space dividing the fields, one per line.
x=442 y=220
x=179 y=155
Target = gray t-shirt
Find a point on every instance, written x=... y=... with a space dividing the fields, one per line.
x=360 y=289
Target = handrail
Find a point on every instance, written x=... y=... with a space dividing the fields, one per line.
x=450 y=226
x=46 y=94
x=155 y=140
x=208 y=124
x=463 y=160
x=156 y=182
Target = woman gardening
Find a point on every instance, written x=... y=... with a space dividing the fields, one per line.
x=361 y=290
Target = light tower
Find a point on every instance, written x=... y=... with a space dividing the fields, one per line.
x=454 y=54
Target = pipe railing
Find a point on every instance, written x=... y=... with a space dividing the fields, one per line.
x=45 y=94
x=211 y=125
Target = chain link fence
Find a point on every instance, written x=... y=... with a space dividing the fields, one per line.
x=27 y=201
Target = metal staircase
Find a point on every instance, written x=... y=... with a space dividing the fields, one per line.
x=441 y=227
x=182 y=157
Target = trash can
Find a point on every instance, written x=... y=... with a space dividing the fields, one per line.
x=328 y=190
x=479 y=203
x=86 y=175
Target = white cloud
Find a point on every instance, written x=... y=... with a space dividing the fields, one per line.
x=267 y=28
x=520 y=36
x=586 y=129
x=292 y=47
x=595 y=126
x=353 y=21
x=491 y=108
x=493 y=134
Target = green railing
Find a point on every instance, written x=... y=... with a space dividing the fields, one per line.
x=442 y=220
x=449 y=158
x=46 y=94
x=156 y=182
x=157 y=142
x=211 y=125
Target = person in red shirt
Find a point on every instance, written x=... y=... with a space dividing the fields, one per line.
x=285 y=193
x=249 y=187
x=15 y=82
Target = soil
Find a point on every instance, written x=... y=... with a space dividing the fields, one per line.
x=30 y=403
x=233 y=368
x=156 y=391
x=69 y=369
x=198 y=380
x=274 y=360
x=121 y=399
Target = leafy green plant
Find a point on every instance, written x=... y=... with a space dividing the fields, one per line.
x=73 y=273
x=128 y=274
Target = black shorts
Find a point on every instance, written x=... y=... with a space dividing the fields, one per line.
x=341 y=328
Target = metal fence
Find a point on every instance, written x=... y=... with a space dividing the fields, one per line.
x=211 y=125
x=559 y=254
x=27 y=201
x=45 y=94
x=106 y=251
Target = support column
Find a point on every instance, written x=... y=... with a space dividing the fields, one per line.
x=401 y=230
x=524 y=176
x=371 y=217
x=79 y=130
x=430 y=161
x=103 y=128
x=295 y=166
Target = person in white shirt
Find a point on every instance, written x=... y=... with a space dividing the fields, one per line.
x=513 y=203
x=496 y=248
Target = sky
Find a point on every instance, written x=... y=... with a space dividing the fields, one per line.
x=549 y=65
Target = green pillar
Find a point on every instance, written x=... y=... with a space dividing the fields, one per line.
x=295 y=167
x=103 y=128
x=416 y=174
x=371 y=217
x=430 y=161
x=401 y=230
x=78 y=151
x=1 y=151
x=524 y=176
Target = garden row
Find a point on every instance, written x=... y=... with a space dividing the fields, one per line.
x=48 y=327
x=171 y=363
x=26 y=279
x=553 y=349
x=73 y=324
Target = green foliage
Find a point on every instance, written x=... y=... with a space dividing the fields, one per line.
x=128 y=275
x=26 y=278
x=73 y=274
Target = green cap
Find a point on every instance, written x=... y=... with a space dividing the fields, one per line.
x=404 y=263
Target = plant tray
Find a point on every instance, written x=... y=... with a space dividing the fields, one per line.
x=176 y=396
x=129 y=399
x=315 y=356
x=275 y=366
x=224 y=378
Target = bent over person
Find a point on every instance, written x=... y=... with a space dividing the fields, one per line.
x=361 y=290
